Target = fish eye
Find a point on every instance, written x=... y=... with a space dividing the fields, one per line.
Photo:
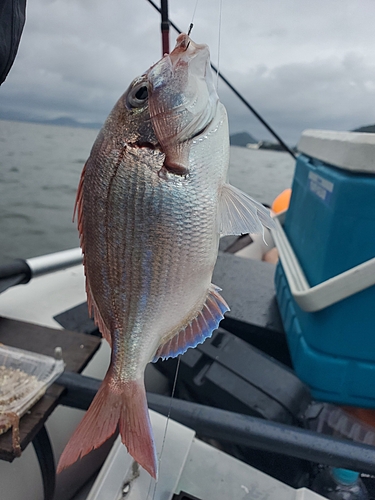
x=142 y=93
x=137 y=95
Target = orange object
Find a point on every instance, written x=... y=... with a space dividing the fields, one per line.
x=281 y=202
x=364 y=414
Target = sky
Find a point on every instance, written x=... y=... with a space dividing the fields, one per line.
x=301 y=64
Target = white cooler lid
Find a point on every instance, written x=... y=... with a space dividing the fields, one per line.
x=353 y=151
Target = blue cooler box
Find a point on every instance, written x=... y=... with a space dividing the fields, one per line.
x=325 y=281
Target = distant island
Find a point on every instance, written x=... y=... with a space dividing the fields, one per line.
x=62 y=121
x=69 y=122
x=242 y=139
x=245 y=140
x=367 y=128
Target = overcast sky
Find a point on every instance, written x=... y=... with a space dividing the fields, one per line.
x=300 y=63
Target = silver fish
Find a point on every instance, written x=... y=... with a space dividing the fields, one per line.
x=152 y=203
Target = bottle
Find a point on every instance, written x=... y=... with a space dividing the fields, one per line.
x=339 y=484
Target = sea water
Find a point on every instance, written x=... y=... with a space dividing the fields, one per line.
x=40 y=167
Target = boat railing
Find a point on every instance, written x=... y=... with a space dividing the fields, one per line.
x=21 y=271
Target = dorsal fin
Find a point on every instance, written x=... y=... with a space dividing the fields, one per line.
x=240 y=214
x=93 y=308
x=198 y=329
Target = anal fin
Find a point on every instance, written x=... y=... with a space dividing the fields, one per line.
x=200 y=328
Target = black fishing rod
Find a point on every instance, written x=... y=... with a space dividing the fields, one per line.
x=233 y=89
x=21 y=271
x=164 y=26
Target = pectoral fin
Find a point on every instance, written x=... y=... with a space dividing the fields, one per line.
x=240 y=214
x=198 y=329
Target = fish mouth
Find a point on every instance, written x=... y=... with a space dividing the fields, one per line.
x=186 y=49
x=183 y=96
x=197 y=57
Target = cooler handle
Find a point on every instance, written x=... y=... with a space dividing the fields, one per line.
x=312 y=299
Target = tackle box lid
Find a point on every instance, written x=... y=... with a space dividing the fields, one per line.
x=351 y=151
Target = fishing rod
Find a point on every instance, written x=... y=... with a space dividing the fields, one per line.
x=165 y=26
x=233 y=89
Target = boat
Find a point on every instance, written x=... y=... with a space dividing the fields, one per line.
x=54 y=296
x=49 y=292
x=45 y=296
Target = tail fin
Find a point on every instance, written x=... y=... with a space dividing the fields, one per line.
x=116 y=403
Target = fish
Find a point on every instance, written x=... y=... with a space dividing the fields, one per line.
x=152 y=202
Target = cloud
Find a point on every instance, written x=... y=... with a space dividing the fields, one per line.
x=301 y=64
x=80 y=57
x=326 y=93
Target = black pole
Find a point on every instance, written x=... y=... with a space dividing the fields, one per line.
x=164 y=26
x=44 y=452
x=243 y=100
x=21 y=271
x=238 y=429
x=15 y=273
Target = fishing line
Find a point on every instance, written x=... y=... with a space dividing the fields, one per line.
x=192 y=19
x=170 y=408
x=240 y=96
x=218 y=46
x=167 y=423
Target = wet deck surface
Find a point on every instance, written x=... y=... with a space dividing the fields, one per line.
x=248 y=287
